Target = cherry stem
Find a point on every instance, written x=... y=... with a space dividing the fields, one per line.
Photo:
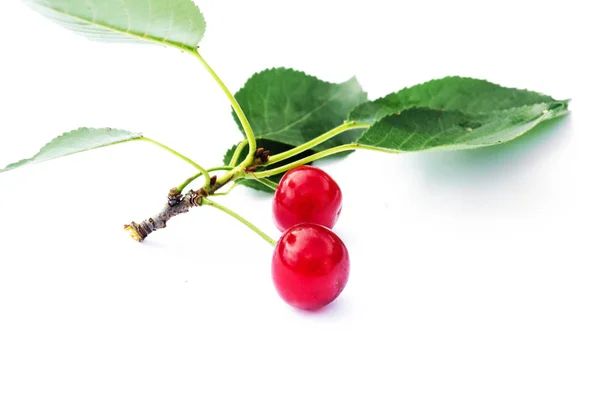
x=202 y=170
x=317 y=156
x=241 y=219
x=193 y=178
x=241 y=171
x=220 y=168
x=225 y=193
x=234 y=103
x=238 y=151
x=351 y=125
x=268 y=183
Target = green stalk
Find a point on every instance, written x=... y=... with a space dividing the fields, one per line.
x=238 y=151
x=268 y=183
x=182 y=157
x=316 y=156
x=234 y=103
x=352 y=125
x=220 y=168
x=193 y=178
x=241 y=219
x=225 y=193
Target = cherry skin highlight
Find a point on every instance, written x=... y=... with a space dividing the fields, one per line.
x=306 y=195
x=310 y=266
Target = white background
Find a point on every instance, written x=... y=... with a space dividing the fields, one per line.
x=473 y=273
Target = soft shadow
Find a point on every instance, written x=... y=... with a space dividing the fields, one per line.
x=482 y=165
x=336 y=309
x=152 y=243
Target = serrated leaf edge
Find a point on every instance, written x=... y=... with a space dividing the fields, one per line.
x=353 y=110
x=548 y=115
x=111 y=28
x=353 y=79
x=11 y=166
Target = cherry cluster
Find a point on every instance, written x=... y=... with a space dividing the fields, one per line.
x=310 y=265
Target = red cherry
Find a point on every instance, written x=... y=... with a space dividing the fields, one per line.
x=306 y=194
x=310 y=266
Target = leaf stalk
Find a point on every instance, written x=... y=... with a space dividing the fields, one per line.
x=347 y=126
x=202 y=170
x=234 y=103
x=238 y=151
x=317 y=156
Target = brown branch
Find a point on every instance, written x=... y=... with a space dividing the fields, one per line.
x=179 y=204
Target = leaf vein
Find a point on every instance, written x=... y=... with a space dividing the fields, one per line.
x=307 y=115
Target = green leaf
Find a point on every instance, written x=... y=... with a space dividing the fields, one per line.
x=419 y=129
x=450 y=93
x=274 y=148
x=76 y=141
x=291 y=107
x=178 y=23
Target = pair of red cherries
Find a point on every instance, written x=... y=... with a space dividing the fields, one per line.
x=310 y=264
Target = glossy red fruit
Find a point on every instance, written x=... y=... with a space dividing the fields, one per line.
x=306 y=194
x=310 y=266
